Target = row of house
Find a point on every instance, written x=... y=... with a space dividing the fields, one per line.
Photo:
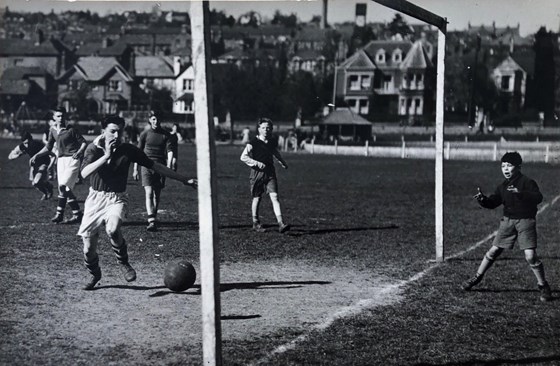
x=121 y=70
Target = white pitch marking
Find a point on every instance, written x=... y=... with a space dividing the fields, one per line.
x=385 y=292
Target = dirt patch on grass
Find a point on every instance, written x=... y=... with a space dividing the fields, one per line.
x=47 y=318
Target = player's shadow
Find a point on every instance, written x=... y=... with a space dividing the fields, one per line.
x=129 y=287
x=166 y=225
x=498 y=361
x=268 y=285
x=301 y=232
x=240 y=317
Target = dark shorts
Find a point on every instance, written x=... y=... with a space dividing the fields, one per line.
x=151 y=178
x=41 y=168
x=262 y=182
x=524 y=231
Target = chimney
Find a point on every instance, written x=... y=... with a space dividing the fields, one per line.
x=324 y=17
x=132 y=66
x=361 y=10
x=105 y=42
x=511 y=44
x=176 y=65
x=39 y=37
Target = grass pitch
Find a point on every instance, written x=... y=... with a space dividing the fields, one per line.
x=360 y=226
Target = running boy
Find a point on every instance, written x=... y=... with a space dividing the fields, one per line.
x=520 y=196
x=40 y=167
x=258 y=154
x=71 y=146
x=106 y=162
x=157 y=143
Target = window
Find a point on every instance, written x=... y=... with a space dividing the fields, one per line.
x=354 y=82
x=380 y=57
x=72 y=85
x=418 y=106
x=188 y=84
x=387 y=82
x=366 y=82
x=115 y=85
x=397 y=55
x=363 y=106
x=505 y=82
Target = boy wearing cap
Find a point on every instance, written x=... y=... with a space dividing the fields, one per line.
x=39 y=167
x=520 y=196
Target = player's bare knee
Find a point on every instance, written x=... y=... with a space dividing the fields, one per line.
x=493 y=253
x=273 y=196
x=532 y=258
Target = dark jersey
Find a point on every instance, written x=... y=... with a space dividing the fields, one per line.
x=522 y=205
x=263 y=152
x=67 y=141
x=156 y=144
x=34 y=147
x=112 y=177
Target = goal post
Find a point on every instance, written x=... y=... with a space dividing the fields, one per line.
x=424 y=15
x=207 y=190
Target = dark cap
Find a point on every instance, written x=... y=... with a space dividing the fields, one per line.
x=514 y=158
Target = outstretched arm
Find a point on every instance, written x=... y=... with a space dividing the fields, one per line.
x=15 y=153
x=488 y=202
x=165 y=171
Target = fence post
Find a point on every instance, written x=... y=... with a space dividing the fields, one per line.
x=313 y=145
x=495 y=157
x=367 y=147
x=403 y=149
x=447 y=150
x=336 y=146
x=547 y=153
x=374 y=138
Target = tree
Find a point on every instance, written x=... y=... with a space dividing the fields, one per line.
x=289 y=21
x=544 y=73
x=399 y=26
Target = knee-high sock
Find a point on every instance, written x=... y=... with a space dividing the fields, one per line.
x=538 y=270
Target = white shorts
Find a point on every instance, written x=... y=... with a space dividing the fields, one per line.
x=67 y=170
x=99 y=207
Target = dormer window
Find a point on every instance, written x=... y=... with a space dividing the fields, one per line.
x=380 y=56
x=397 y=55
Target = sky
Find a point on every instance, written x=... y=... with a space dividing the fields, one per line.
x=529 y=14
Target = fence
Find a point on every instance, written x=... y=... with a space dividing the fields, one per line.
x=484 y=151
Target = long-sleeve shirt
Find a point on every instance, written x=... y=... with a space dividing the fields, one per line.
x=257 y=151
x=521 y=205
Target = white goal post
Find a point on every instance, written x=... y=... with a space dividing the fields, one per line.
x=417 y=12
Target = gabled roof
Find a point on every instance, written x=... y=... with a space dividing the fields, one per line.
x=24 y=47
x=526 y=60
x=508 y=63
x=416 y=58
x=96 y=68
x=21 y=72
x=15 y=87
x=344 y=116
x=389 y=47
x=359 y=60
x=153 y=67
x=97 y=49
